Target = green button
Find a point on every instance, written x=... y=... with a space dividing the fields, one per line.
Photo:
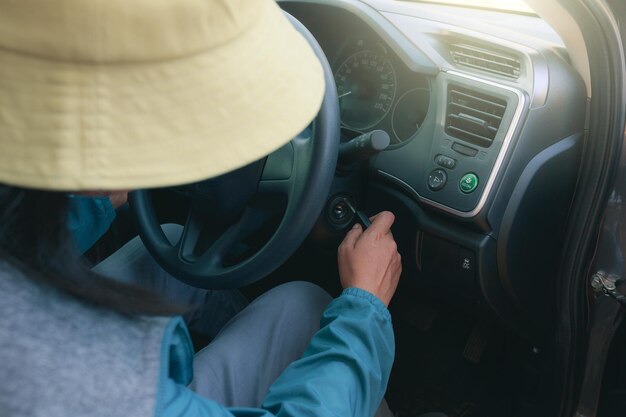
x=468 y=183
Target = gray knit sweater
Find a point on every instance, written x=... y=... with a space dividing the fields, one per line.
x=60 y=357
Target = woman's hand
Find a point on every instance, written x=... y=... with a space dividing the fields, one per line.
x=118 y=198
x=369 y=259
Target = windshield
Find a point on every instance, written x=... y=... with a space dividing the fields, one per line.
x=507 y=5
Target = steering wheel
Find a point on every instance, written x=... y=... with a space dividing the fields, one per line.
x=299 y=173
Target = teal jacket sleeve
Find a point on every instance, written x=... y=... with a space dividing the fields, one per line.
x=88 y=219
x=343 y=372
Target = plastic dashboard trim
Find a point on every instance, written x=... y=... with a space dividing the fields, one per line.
x=503 y=153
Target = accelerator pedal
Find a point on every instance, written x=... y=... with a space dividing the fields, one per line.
x=477 y=341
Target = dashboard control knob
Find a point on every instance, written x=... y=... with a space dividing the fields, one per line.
x=437 y=179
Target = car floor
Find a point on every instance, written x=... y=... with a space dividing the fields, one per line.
x=436 y=371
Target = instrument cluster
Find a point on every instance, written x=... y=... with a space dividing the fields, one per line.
x=377 y=91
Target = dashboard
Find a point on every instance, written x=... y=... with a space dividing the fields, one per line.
x=486 y=130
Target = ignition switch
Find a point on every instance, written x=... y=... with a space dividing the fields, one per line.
x=339 y=212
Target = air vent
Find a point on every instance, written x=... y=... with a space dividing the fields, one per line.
x=490 y=61
x=473 y=116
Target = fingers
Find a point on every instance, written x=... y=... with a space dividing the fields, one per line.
x=352 y=236
x=118 y=198
x=381 y=223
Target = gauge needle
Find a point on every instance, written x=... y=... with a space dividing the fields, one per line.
x=345 y=94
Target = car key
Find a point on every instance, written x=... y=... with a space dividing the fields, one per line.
x=361 y=217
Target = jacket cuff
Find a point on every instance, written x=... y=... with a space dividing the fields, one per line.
x=366 y=295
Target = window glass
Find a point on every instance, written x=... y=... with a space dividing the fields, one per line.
x=507 y=5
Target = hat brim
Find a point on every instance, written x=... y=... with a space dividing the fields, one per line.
x=72 y=126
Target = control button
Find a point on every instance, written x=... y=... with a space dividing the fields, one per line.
x=468 y=183
x=445 y=161
x=437 y=179
x=467 y=268
x=466 y=261
x=464 y=150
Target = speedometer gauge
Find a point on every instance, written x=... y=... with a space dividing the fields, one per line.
x=366 y=87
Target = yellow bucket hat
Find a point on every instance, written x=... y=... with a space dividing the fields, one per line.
x=118 y=94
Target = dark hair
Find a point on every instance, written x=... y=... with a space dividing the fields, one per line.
x=34 y=238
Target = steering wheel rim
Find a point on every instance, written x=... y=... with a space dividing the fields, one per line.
x=307 y=188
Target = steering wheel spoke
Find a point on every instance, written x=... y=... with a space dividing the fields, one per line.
x=192 y=231
x=272 y=188
x=250 y=221
x=283 y=166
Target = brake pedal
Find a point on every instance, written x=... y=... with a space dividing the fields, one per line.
x=477 y=341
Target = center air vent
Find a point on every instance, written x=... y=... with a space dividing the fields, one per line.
x=490 y=61
x=472 y=116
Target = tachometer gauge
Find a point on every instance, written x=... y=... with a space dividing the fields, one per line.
x=366 y=87
x=409 y=113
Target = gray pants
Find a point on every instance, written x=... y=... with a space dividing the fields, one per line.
x=251 y=346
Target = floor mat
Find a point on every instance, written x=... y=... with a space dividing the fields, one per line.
x=431 y=374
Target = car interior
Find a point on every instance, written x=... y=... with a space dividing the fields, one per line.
x=469 y=125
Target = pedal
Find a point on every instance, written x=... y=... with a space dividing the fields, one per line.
x=477 y=341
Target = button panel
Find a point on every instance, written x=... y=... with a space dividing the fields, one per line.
x=445 y=161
